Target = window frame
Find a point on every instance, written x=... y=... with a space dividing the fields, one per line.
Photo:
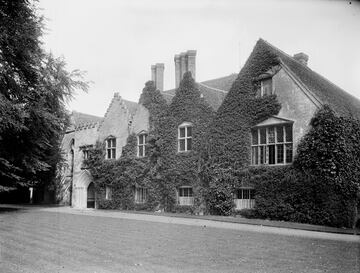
x=182 y=188
x=186 y=138
x=111 y=148
x=108 y=193
x=250 y=193
x=143 y=145
x=141 y=195
x=85 y=151
x=261 y=91
x=185 y=196
x=263 y=154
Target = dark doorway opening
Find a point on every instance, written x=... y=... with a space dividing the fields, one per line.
x=91 y=196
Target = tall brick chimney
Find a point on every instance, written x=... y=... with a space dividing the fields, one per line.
x=157 y=75
x=160 y=76
x=177 y=70
x=191 y=62
x=186 y=61
x=153 y=73
x=302 y=58
x=183 y=67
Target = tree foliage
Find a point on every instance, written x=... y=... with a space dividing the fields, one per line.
x=34 y=87
x=322 y=185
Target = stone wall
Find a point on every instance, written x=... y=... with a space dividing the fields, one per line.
x=295 y=104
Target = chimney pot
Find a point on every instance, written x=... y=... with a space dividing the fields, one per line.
x=302 y=58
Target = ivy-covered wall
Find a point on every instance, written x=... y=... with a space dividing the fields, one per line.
x=323 y=184
x=316 y=189
x=228 y=146
x=164 y=169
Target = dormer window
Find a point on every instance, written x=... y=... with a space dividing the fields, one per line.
x=86 y=151
x=265 y=88
x=111 y=148
x=185 y=137
x=141 y=147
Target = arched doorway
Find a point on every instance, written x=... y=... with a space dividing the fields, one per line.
x=91 y=196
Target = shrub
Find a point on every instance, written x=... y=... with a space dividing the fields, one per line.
x=247 y=213
x=184 y=209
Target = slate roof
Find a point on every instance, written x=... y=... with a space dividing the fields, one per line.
x=324 y=90
x=81 y=118
x=131 y=106
x=214 y=91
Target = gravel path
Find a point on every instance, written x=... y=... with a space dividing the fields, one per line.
x=207 y=223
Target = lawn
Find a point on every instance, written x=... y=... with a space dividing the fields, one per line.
x=37 y=241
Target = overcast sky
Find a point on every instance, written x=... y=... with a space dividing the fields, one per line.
x=116 y=41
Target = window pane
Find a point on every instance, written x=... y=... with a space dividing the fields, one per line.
x=280 y=133
x=262 y=154
x=141 y=151
x=111 y=143
x=263 y=136
x=182 y=132
x=145 y=139
x=254 y=137
x=109 y=153
x=141 y=139
x=238 y=194
x=254 y=156
x=288 y=132
x=189 y=131
x=246 y=193
x=267 y=86
x=189 y=144
x=271 y=135
x=182 y=144
x=190 y=192
x=280 y=153
x=289 y=153
x=113 y=153
x=271 y=154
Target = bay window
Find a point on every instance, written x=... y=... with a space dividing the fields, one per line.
x=272 y=145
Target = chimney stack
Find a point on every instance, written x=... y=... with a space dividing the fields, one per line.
x=160 y=76
x=157 y=75
x=183 y=67
x=184 y=62
x=153 y=73
x=302 y=58
x=191 y=62
x=177 y=70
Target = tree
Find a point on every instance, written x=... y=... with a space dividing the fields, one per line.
x=34 y=87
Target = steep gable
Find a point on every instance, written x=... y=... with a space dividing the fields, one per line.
x=324 y=90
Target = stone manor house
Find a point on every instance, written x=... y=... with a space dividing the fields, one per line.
x=300 y=90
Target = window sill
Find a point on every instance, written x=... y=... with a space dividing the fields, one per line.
x=271 y=165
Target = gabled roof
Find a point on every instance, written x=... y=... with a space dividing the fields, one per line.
x=214 y=91
x=324 y=90
x=131 y=106
x=81 y=118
